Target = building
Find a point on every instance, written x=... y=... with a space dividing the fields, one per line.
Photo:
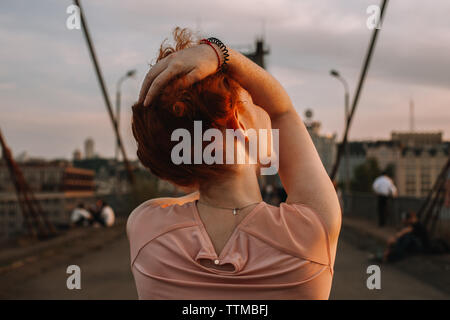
x=417 y=139
x=57 y=186
x=89 y=149
x=110 y=175
x=356 y=157
x=418 y=168
x=77 y=154
x=386 y=152
x=54 y=176
x=324 y=143
x=417 y=157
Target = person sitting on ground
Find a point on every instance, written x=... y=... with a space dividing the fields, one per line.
x=104 y=214
x=96 y=210
x=107 y=215
x=412 y=238
x=80 y=216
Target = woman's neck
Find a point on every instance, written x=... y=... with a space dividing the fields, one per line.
x=239 y=190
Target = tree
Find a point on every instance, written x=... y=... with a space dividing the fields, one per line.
x=390 y=170
x=364 y=175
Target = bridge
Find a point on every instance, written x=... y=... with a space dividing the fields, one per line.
x=37 y=270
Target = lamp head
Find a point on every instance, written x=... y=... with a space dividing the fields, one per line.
x=334 y=73
x=131 y=73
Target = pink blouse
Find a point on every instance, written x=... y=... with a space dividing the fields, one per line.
x=274 y=253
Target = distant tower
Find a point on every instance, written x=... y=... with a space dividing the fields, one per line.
x=411 y=115
x=258 y=56
x=77 y=154
x=89 y=148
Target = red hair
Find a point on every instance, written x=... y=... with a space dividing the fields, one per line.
x=212 y=100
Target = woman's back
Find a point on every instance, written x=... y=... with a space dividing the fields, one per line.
x=273 y=253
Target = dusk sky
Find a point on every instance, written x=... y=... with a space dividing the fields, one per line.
x=50 y=101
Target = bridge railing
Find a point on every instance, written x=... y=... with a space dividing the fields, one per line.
x=57 y=207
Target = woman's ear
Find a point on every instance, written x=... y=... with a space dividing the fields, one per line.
x=242 y=125
x=233 y=121
x=235 y=124
x=239 y=121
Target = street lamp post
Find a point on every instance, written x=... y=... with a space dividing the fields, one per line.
x=337 y=75
x=127 y=75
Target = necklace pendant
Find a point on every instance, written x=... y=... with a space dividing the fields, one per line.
x=235 y=211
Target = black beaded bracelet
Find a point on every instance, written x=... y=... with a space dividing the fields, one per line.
x=224 y=50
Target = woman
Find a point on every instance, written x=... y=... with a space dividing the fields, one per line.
x=223 y=241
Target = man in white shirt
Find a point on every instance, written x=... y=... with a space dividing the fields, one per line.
x=384 y=187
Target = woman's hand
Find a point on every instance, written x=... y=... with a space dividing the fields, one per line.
x=195 y=63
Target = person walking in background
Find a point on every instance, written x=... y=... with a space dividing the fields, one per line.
x=384 y=187
x=80 y=216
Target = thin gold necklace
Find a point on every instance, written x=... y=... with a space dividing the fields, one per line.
x=234 y=210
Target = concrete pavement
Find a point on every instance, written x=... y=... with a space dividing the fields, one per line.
x=350 y=279
x=105 y=274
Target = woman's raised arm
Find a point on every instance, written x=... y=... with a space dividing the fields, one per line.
x=301 y=170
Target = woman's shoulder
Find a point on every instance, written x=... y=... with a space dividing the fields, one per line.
x=155 y=218
x=296 y=212
x=160 y=213
x=294 y=228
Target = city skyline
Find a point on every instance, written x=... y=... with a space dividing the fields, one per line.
x=52 y=95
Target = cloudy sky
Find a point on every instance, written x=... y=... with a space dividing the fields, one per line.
x=50 y=101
